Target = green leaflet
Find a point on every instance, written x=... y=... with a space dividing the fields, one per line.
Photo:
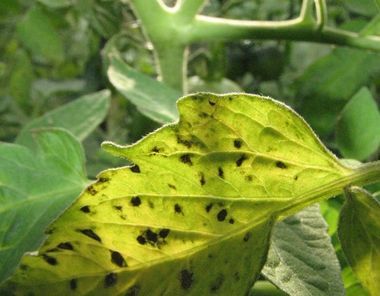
x=301 y=259
x=36 y=185
x=359 y=234
x=194 y=212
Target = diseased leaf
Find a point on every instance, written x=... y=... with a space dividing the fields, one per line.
x=80 y=117
x=359 y=234
x=35 y=187
x=358 y=128
x=154 y=99
x=194 y=213
x=301 y=259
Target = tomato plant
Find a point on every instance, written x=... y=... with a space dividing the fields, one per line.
x=216 y=190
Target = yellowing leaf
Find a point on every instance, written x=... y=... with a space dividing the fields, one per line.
x=359 y=234
x=193 y=215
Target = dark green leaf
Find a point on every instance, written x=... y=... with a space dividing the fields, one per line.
x=359 y=234
x=358 y=128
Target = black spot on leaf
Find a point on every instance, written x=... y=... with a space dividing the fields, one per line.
x=281 y=165
x=237 y=143
x=155 y=149
x=91 y=190
x=118 y=259
x=295 y=178
x=184 y=142
x=231 y=221
x=135 y=201
x=141 y=240
x=110 y=280
x=49 y=259
x=85 y=209
x=202 y=180
x=91 y=234
x=186 y=159
x=221 y=216
x=135 y=169
x=203 y=114
x=65 y=246
x=241 y=159
x=186 y=279
x=209 y=207
x=151 y=236
x=247 y=236
x=73 y=284
x=172 y=186
x=249 y=178
x=118 y=208
x=133 y=291
x=164 y=232
x=217 y=283
x=103 y=179
x=212 y=103
x=220 y=172
x=177 y=208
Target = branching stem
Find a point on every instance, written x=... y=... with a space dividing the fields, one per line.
x=172 y=30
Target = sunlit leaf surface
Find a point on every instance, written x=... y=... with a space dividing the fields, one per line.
x=193 y=214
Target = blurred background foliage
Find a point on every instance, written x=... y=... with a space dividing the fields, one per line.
x=54 y=51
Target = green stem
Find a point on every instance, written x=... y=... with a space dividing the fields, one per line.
x=171 y=61
x=364 y=175
x=213 y=28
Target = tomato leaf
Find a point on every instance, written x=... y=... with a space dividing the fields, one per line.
x=201 y=195
x=79 y=117
x=35 y=187
x=301 y=259
x=359 y=234
x=153 y=98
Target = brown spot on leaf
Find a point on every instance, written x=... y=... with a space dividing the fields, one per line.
x=91 y=190
x=202 y=179
x=247 y=236
x=185 y=158
x=220 y=172
x=172 y=186
x=240 y=160
x=209 y=207
x=217 y=283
